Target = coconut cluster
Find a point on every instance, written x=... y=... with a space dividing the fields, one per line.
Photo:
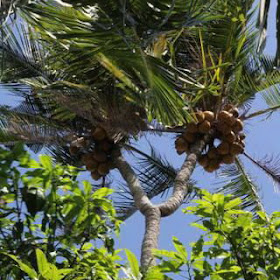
x=97 y=159
x=226 y=137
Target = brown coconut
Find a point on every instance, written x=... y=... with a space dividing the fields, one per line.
x=74 y=150
x=199 y=116
x=210 y=169
x=99 y=156
x=204 y=127
x=86 y=157
x=228 y=159
x=203 y=160
x=95 y=175
x=212 y=166
x=238 y=126
x=106 y=145
x=236 y=149
x=91 y=165
x=103 y=168
x=212 y=153
x=192 y=127
x=99 y=134
x=181 y=145
x=224 y=128
x=189 y=137
x=228 y=107
x=223 y=148
x=231 y=137
x=209 y=116
x=231 y=121
x=224 y=115
x=215 y=163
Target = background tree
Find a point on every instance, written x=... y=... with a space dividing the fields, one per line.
x=109 y=71
x=235 y=245
x=44 y=207
x=36 y=241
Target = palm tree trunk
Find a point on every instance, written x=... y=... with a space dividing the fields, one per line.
x=140 y=198
x=181 y=181
x=150 y=240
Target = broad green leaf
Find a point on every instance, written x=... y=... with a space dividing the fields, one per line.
x=133 y=263
x=164 y=253
x=180 y=249
x=233 y=203
x=42 y=262
x=199 y=264
x=103 y=192
x=231 y=269
x=262 y=215
x=87 y=246
x=154 y=273
x=46 y=162
x=64 y=271
x=199 y=226
x=25 y=268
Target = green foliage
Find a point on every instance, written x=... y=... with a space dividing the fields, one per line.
x=44 y=208
x=235 y=244
x=236 y=181
x=54 y=239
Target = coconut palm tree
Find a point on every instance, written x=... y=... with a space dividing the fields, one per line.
x=103 y=73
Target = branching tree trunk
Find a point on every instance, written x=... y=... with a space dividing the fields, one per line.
x=154 y=213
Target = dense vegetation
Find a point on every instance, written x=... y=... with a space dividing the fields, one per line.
x=53 y=227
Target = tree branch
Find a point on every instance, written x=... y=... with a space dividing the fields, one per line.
x=141 y=200
x=181 y=181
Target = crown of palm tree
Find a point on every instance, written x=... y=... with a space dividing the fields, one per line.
x=132 y=67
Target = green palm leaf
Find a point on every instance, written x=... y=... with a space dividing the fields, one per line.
x=270 y=165
x=147 y=80
x=238 y=183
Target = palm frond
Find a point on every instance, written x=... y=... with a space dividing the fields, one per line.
x=271 y=166
x=237 y=182
x=267 y=83
x=147 y=80
x=154 y=172
x=22 y=53
x=61 y=154
x=22 y=124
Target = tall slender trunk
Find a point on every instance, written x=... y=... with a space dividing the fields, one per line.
x=150 y=240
